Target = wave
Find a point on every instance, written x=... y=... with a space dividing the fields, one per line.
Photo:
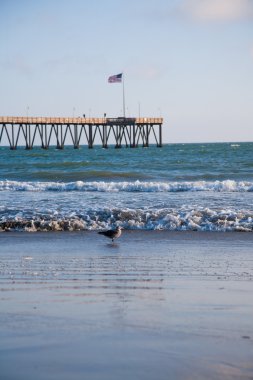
x=201 y=219
x=136 y=186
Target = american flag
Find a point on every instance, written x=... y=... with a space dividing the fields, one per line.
x=115 y=78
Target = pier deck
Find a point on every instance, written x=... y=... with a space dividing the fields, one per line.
x=59 y=131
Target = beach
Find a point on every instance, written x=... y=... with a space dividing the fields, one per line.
x=152 y=305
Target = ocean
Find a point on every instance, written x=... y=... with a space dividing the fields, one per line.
x=171 y=299
x=179 y=187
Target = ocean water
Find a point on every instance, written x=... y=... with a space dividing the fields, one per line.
x=203 y=187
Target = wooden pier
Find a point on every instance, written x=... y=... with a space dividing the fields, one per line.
x=58 y=132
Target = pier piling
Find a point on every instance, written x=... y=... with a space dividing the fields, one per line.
x=46 y=132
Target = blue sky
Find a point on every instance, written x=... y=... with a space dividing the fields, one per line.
x=189 y=61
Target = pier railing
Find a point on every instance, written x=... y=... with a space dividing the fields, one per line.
x=59 y=131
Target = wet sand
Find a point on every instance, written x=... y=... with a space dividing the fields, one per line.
x=154 y=305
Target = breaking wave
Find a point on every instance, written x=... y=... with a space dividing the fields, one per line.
x=202 y=219
x=136 y=186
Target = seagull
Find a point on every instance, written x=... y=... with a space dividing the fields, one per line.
x=112 y=234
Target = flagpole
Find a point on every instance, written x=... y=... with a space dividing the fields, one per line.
x=123 y=88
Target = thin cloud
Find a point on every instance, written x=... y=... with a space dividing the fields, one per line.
x=17 y=64
x=145 y=72
x=217 y=10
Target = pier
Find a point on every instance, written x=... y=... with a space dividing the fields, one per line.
x=57 y=131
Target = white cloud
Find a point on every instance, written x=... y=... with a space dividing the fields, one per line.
x=218 y=10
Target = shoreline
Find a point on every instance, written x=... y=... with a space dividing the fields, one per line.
x=93 y=238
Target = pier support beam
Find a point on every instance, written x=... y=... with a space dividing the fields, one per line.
x=132 y=136
x=105 y=137
x=160 y=136
x=146 y=136
x=118 y=137
x=90 y=142
x=76 y=144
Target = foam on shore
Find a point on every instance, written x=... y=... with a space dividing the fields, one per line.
x=136 y=186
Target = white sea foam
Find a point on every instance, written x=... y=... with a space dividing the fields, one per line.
x=136 y=186
x=199 y=219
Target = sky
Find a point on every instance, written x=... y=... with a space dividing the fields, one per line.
x=188 y=61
